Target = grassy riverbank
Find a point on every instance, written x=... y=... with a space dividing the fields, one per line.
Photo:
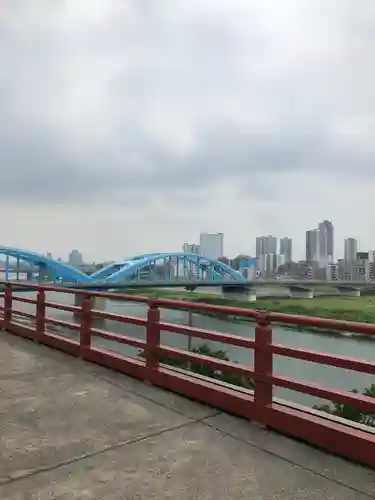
x=360 y=309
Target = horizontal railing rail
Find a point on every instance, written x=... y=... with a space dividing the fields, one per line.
x=256 y=403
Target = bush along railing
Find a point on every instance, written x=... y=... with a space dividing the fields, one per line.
x=207 y=371
x=349 y=412
x=203 y=374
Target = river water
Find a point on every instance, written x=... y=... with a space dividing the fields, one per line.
x=356 y=347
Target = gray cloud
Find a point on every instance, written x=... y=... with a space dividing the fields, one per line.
x=146 y=98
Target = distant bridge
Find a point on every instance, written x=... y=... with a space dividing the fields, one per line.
x=256 y=283
x=174 y=269
x=168 y=266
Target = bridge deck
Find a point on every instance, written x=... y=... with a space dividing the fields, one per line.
x=73 y=430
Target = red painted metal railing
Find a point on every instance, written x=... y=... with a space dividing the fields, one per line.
x=334 y=434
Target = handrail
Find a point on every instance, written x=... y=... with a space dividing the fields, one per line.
x=251 y=314
x=258 y=405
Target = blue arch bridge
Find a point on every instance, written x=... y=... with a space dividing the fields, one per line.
x=168 y=267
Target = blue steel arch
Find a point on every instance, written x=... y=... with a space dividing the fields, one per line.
x=63 y=271
x=113 y=267
x=131 y=266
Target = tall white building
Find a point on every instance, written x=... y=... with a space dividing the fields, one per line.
x=211 y=245
x=266 y=254
x=350 y=249
x=326 y=243
x=312 y=245
x=286 y=249
x=266 y=245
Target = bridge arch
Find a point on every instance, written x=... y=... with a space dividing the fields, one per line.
x=126 y=269
x=59 y=269
x=216 y=269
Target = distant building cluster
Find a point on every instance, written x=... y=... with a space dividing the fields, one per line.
x=319 y=263
x=268 y=257
x=274 y=258
x=211 y=245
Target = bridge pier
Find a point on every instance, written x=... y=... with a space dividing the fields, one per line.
x=44 y=273
x=98 y=303
x=349 y=292
x=301 y=293
x=245 y=293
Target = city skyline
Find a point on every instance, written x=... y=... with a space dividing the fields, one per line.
x=213 y=245
x=150 y=140
x=222 y=242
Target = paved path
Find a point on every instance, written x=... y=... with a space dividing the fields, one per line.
x=72 y=430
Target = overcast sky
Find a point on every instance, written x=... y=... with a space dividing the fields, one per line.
x=131 y=126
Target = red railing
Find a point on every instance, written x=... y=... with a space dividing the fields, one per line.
x=334 y=434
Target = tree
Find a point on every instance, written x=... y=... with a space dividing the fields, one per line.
x=349 y=412
x=205 y=370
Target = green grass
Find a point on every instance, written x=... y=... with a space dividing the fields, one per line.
x=360 y=309
x=331 y=303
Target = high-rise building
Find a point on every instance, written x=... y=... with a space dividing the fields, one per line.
x=349 y=264
x=211 y=245
x=191 y=248
x=286 y=250
x=363 y=268
x=266 y=245
x=312 y=245
x=332 y=272
x=350 y=249
x=326 y=243
x=259 y=247
x=75 y=258
x=266 y=254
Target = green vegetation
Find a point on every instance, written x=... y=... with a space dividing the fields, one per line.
x=207 y=371
x=361 y=309
x=350 y=413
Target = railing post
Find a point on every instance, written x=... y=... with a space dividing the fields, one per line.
x=86 y=324
x=263 y=363
x=152 y=340
x=8 y=301
x=40 y=322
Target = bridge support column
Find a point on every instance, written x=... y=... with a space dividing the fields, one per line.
x=98 y=303
x=239 y=293
x=18 y=269
x=349 y=292
x=43 y=273
x=301 y=293
x=6 y=268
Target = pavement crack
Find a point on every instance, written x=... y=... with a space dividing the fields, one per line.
x=214 y=413
x=288 y=460
x=33 y=472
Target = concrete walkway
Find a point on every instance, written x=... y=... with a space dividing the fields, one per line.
x=72 y=430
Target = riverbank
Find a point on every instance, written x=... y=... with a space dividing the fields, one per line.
x=360 y=309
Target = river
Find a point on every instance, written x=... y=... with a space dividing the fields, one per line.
x=357 y=347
